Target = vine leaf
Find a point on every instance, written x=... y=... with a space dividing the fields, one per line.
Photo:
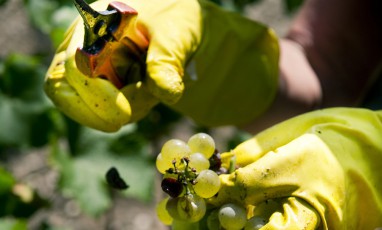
x=83 y=169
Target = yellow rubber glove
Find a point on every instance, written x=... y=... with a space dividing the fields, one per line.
x=318 y=170
x=232 y=61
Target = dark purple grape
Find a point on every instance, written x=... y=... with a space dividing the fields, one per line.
x=215 y=161
x=172 y=187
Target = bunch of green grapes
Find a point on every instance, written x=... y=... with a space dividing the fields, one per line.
x=190 y=176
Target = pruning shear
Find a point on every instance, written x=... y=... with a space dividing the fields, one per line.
x=113 y=48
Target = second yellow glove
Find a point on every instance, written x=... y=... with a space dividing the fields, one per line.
x=318 y=170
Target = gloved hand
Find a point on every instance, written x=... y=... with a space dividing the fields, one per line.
x=231 y=78
x=318 y=170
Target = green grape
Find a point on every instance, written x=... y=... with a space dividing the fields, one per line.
x=202 y=143
x=255 y=223
x=184 y=225
x=207 y=184
x=213 y=220
x=172 y=208
x=199 y=162
x=190 y=208
x=162 y=212
x=175 y=149
x=162 y=164
x=232 y=216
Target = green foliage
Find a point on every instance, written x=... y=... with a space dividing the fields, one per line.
x=158 y=122
x=2 y=2
x=51 y=17
x=6 y=182
x=16 y=199
x=24 y=107
x=240 y=4
x=292 y=5
x=12 y=224
x=83 y=170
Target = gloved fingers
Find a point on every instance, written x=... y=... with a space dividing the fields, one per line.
x=165 y=82
x=69 y=101
x=244 y=154
x=266 y=141
x=304 y=168
x=285 y=214
x=171 y=44
x=141 y=101
x=101 y=96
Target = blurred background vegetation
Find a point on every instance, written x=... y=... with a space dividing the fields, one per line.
x=52 y=169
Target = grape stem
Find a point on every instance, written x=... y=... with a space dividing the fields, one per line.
x=189 y=175
x=232 y=164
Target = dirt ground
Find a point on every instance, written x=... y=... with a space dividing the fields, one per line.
x=32 y=168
